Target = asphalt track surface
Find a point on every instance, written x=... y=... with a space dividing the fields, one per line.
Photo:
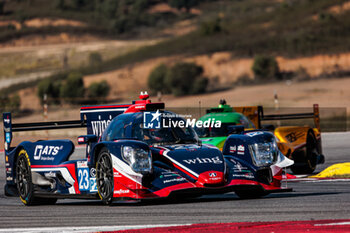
x=308 y=201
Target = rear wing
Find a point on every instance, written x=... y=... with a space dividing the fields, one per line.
x=94 y=118
x=9 y=127
x=256 y=115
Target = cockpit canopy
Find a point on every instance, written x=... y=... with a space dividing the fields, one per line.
x=131 y=126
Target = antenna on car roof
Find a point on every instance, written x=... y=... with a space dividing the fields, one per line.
x=222 y=102
x=144 y=95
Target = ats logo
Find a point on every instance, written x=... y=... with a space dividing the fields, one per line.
x=41 y=150
x=151 y=120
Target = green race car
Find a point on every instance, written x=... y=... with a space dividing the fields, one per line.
x=229 y=120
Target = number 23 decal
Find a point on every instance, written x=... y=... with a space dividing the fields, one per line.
x=85 y=182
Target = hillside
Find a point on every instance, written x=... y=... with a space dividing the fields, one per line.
x=223 y=36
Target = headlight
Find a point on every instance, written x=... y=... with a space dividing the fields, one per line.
x=264 y=154
x=139 y=159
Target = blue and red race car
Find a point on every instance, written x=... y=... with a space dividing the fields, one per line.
x=129 y=159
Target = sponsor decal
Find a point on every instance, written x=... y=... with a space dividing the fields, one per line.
x=207 y=139
x=7 y=121
x=6 y=146
x=99 y=126
x=245 y=175
x=8 y=137
x=174 y=180
x=121 y=191
x=50 y=174
x=167 y=174
x=240 y=150
x=293 y=136
x=237 y=167
x=93 y=172
x=93 y=185
x=233 y=149
x=7 y=164
x=213 y=174
x=6 y=158
x=82 y=164
x=9 y=178
x=116 y=174
x=83 y=178
x=185 y=147
x=252 y=134
x=41 y=150
x=215 y=160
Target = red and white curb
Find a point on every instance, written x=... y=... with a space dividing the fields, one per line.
x=340 y=225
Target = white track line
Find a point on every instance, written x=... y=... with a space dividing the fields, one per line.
x=86 y=229
x=316 y=180
x=333 y=224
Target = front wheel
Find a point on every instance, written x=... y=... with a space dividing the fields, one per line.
x=104 y=177
x=24 y=182
x=310 y=159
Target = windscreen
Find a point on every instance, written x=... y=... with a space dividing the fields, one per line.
x=165 y=135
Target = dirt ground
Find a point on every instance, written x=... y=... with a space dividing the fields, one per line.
x=223 y=71
x=325 y=92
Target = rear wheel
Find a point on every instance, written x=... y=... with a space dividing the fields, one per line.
x=104 y=176
x=310 y=160
x=25 y=186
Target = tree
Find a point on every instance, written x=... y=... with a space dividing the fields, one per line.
x=140 y=6
x=79 y=3
x=265 y=67
x=185 y=78
x=179 y=4
x=156 y=79
x=211 y=27
x=109 y=8
x=2 y=6
x=59 y=4
x=73 y=88
x=98 y=89
x=51 y=89
x=10 y=104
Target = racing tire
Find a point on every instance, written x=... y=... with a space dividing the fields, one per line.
x=250 y=194
x=104 y=176
x=25 y=185
x=310 y=159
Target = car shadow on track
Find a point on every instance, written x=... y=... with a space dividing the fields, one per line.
x=203 y=199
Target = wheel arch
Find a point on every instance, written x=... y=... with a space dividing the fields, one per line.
x=15 y=157
x=97 y=149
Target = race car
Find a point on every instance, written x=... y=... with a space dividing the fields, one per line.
x=129 y=158
x=302 y=144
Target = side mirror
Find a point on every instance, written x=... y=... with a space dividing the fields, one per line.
x=86 y=139
x=235 y=129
